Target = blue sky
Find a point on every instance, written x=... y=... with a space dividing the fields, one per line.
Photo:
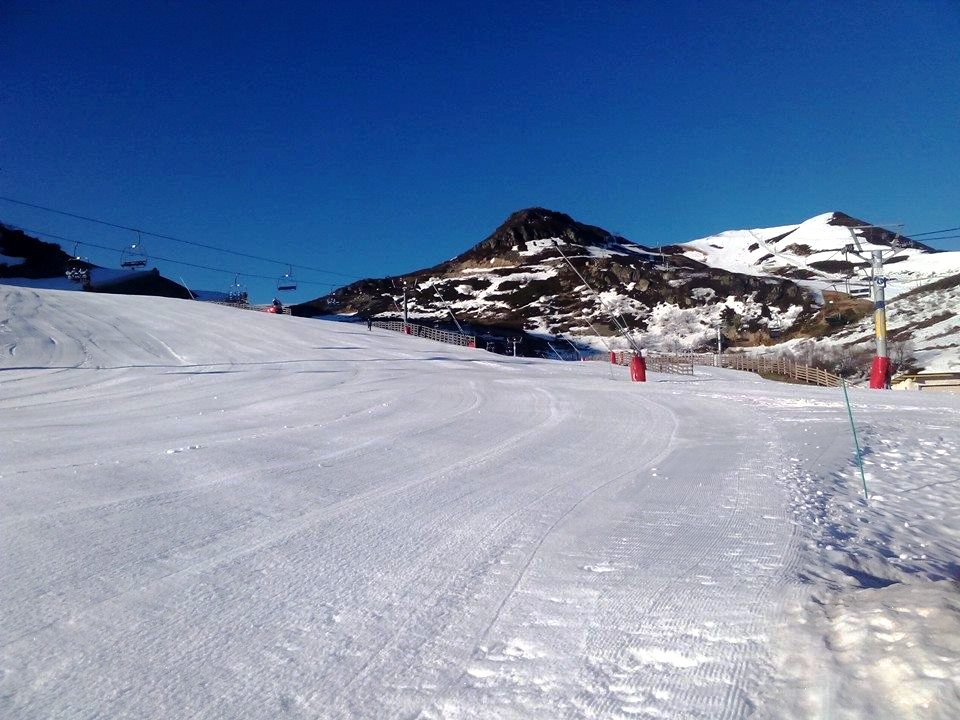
x=372 y=138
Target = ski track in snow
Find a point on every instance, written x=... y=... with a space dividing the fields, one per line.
x=210 y=513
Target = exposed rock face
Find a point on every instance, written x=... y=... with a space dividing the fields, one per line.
x=542 y=271
x=533 y=224
x=877 y=235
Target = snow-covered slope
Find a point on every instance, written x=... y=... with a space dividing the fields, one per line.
x=923 y=304
x=923 y=331
x=210 y=513
x=813 y=251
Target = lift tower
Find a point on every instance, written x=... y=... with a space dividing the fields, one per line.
x=880 y=369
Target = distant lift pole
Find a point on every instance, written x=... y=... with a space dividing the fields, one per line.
x=624 y=331
x=880 y=368
x=450 y=310
x=638 y=366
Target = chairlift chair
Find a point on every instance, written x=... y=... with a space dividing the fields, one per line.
x=287 y=282
x=77 y=272
x=237 y=293
x=133 y=256
x=78 y=269
x=774 y=326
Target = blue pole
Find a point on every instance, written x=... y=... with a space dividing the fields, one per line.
x=856 y=442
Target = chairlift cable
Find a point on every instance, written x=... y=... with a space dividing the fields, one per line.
x=616 y=319
x=934 y=232
x=133 y=256
x=287 y=282
x=170 y=237
x=175 y=262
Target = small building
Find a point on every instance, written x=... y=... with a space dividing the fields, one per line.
x=943 y=381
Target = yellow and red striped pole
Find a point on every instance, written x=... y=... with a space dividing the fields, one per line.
x=880 y=369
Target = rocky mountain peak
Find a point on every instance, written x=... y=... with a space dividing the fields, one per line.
x=537 y=224
x=518 y=281
x=876 y=235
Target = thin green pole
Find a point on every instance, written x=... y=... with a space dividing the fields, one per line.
x=856 y=442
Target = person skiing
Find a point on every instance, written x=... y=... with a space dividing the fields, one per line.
x=369 y=323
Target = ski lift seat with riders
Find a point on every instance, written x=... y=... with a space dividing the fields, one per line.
x=237 y=293
x=77 y=269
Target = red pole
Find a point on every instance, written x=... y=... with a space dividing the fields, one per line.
x=638 y=368
x=879 y=372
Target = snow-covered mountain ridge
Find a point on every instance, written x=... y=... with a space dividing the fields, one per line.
x=538 y=271
x=813 y=251
x=544 y=273
x=922 y=286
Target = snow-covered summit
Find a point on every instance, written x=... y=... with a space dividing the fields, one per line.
x=815 y=251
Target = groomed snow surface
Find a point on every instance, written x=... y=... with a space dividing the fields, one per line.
x=209 y=513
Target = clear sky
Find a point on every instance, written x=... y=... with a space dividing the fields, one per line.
x=372 y=138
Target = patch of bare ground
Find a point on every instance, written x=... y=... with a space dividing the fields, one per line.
x=798 y=249
x=496 y=262
x=943 y=284
x=839 y=311
x=908 y=330
x=945 y=333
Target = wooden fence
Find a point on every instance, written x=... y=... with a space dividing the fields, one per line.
x=683 y=365
x=247 y=306
x=771 y=366
x=674 y=364
x=785 y=368
x=425 y=331
x=656 y=362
